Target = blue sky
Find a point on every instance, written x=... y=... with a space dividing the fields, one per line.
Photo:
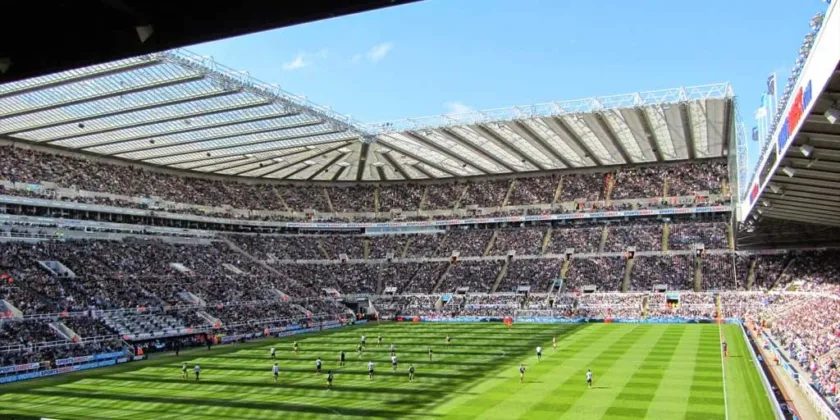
x=438 y=56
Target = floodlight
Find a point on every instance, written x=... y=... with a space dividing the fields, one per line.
x=789 y=171
x=806 y=150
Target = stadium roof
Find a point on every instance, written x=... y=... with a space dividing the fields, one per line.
x=805 y=185
x=183 y=111
x=798 y=177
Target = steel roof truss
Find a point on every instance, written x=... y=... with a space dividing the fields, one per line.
x=112 y=94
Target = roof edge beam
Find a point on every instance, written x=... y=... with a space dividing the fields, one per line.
x=388 y=158
x=504 y=144
x=231 y=146
x=419 y=159
x=728 y=116
x=577 y=140
x=477 y=150
x=434 y=146
x=611 y=136
x=290 y=164
x=423 y=171
x=363 y=156
x=201 y=140
x=338 y=173
x=685 y=115
x=650 y=134
x=531 y=137
x=159 y=121
x=239 y=165
x=327 y=165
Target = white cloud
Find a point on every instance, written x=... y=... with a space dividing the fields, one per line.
x=378 y=52
x=305 y=59
x=298 y=62
x=357 y=58
x=457 y=107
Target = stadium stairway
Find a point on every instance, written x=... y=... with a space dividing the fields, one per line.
x=730 y=236
x=604 y=236
x=509 y=193
x=366 y=247
x=7 y=307
x=233 y=247
x=21 y=283
x=323 y=250
x=628 y=270
x=209 y=318
x=501 y=275
x=781 y=274
x=281 y=200
x=442 y=275
x=376 y=200
x=546 y=240
x=404 y=251
x=751 y=274
x=461 y=197
x=492 y=242
x=65 y=331
x=380 y=282
x=698 y=274
x=329 y=200
x=423 y=198
x=558 y=190
x=666 y=233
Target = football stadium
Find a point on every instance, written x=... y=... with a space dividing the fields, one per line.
x=179 y=239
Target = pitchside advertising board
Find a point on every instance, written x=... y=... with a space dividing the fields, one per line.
x=553 y=320
x=85 y=362
x=815 y=75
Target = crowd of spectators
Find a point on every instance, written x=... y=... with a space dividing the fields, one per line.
x=478 y=276
x=87 y=327
x=817 y=268
x=640 y=182
x=675 y=272
x=686 y=180
x=642 y=236
x=405 y=197
x=685 y=234
x=810 y=334
x=607 y=273
x=253 y=312
x=381 y=245
x=350 y=245
x=581 y=239
x=587 y=187
x=537 y=190
x=525 y=241
x=717 y=272
x=128 y=182
x=535 y=273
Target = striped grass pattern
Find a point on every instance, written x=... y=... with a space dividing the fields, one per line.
x=640 y=372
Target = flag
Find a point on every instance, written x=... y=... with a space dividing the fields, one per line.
x=771 y=84
x=755 y=134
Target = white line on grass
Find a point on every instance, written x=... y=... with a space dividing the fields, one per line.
x=723 y=372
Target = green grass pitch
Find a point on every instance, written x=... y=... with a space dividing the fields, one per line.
x=641 y=372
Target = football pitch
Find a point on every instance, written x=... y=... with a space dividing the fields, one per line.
x=640 y=372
